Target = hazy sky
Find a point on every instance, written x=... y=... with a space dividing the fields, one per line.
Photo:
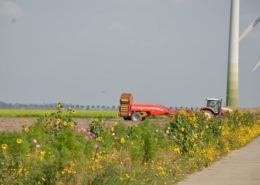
x=171 y=52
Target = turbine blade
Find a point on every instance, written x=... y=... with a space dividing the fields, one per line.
x=256 y=21
x=256 y=66
x=249 y=28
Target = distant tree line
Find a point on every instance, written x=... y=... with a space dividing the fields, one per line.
x=4 y=105
x=50 y=106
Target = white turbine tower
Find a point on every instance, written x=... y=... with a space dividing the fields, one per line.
x=232 y=74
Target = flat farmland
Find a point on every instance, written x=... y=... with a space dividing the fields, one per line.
x=14 y=119
x=29 y=113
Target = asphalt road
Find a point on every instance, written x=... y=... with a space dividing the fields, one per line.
x=240 y=167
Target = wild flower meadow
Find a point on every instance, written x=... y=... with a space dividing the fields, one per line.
x=55 y=150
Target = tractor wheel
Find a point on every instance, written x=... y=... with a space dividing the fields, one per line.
x=208 y=114
x=136 y=116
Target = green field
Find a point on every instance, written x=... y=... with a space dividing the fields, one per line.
x=39 y=113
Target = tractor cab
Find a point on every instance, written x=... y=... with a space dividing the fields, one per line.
x=214 y=104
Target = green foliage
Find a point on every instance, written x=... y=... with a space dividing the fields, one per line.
x=55 y=150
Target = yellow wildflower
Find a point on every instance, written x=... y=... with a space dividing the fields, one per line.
x=69 y=169
x=162 y=171
x=177 y=150
x=47 y=114
x=112 y=129
x=100 y=138
x=182 y=129
x=26 y=129
x=72 y=124
x=58 y=121
x=49 y=122
x=19 y=141
x=42 y=154
x=65 y=123
x=127 y=176
x=59 y=105
x=4 y=146
x=122 y=140
x=211 y=153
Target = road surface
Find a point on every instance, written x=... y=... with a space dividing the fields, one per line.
x=240 y=167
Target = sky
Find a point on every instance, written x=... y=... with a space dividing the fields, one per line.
x=88 y=52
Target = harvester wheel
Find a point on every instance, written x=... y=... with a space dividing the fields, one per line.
x=127 y=118
x=136 y=116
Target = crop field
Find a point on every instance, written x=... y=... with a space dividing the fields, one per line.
x=39 y=113
x=56 y=149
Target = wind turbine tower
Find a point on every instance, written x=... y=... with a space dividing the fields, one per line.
x=233 y=55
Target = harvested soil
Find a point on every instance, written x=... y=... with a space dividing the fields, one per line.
x=14 y=124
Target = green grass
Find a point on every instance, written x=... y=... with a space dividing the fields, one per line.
x=39 y=113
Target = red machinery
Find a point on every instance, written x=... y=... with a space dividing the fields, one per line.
x=137 y=112
x=214 y=107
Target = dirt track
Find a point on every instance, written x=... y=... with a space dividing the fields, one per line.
x=12 y=124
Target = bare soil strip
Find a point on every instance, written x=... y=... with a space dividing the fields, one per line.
x=14 y=124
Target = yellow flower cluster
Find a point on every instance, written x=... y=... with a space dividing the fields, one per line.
x=71 y=111
x=161 y=171
x=176 y=150
x=68 y=170
x=210 y=153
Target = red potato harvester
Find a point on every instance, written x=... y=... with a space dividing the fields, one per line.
x=137 y=112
